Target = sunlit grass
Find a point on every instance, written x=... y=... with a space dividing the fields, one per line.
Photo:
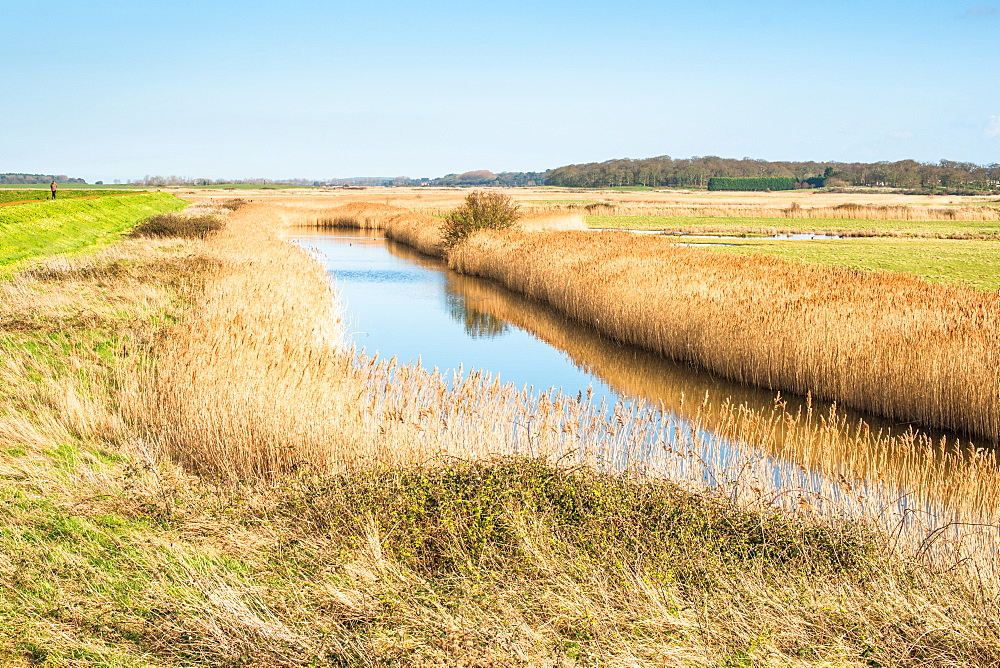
x=65 y=226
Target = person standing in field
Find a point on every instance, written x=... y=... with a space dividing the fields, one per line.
x=53 y=187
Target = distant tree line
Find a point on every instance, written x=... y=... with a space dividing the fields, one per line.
x=158 y=180
x=480 y=177
x=484 y=177
x=665 y=171
x=24 y=179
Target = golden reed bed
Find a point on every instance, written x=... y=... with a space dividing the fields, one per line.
x=254 y=383
x=890 y=344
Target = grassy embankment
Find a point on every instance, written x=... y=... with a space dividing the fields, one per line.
x=7 y=195
x=315 y=523
x=64 y=226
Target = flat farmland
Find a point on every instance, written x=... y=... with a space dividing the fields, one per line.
x=973 y=263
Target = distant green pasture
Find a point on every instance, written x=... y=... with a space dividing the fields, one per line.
x=752 y=226
x=71 y=186
x=972 y=262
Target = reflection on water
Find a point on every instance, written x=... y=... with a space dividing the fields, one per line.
x=478 y=325
x=400 y=303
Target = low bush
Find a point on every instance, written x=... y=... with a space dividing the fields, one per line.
x=481 y=210
x=176 y=225
x=235 y=203
x=473 y=515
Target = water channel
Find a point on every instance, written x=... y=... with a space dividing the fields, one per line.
x=401 y=303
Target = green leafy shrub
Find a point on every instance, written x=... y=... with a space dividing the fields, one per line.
x=473 y=515
x=175 y=225
x=481 y=210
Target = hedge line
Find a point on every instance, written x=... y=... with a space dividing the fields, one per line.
x=752 y=183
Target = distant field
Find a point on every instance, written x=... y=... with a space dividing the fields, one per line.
x=975 y=263
x=859 y=227
x=578 y=202
x=65 y=226
x=7 y=195
x=239 y=186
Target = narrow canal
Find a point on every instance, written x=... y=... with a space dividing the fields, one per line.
x=400 y=303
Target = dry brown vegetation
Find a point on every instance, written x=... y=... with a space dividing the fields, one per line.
x=221 y=483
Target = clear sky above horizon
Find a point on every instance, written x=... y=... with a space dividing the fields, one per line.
x=118 y=90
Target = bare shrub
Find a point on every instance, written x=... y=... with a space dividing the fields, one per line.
x=235 y=203
x=481 y=210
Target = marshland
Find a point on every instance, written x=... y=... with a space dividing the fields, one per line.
x=300 y=428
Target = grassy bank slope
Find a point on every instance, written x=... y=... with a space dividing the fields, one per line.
x=8 y=195
x=63 y=226
x=311 y=527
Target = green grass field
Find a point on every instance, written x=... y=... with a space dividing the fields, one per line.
x=71 y=186
x=65 y=226
x=10 y=195
x=975 y=263
x=932 y=228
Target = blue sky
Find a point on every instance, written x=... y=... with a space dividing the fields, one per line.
x=113 y=89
